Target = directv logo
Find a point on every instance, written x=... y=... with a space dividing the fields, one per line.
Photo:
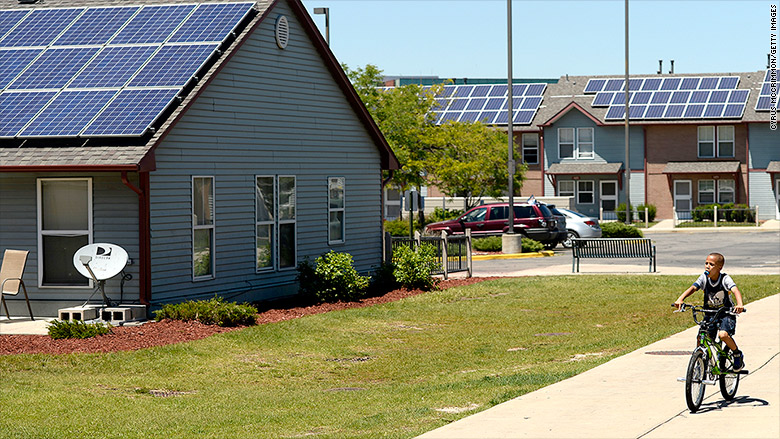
x=103 y=252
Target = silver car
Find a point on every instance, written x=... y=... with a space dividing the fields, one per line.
x=578 y=225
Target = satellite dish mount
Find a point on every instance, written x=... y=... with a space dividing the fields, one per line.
x=100 y=262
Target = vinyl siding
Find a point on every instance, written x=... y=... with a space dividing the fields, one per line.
x=764 y=145
x=762 y=194
x=268 y=112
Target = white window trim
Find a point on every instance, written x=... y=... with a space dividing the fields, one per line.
x=573 y=143
x=592 y=191
x=280 y=222
x=534 y=148
x=721 y=188
x=716 y=141
x=342 y=209
x=676 y=196
x=699 y=192
x=592 y=143
x=573 y=191
x=41 y=232
x=271 y=222
x=212 y=227
x=699 y=142
x=733 y=141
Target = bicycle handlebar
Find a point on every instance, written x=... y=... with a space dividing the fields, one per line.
x=695 y=308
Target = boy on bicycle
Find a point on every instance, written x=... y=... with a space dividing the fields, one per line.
x=717 y=286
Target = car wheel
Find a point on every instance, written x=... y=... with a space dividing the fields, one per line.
x=567 y=242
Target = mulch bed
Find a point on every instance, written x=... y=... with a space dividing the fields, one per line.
x=128 y=338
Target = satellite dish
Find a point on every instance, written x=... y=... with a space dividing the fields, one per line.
x=105 y=260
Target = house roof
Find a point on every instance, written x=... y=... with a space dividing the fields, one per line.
x=124 y=154
x=773 y=168
x=701 y=167
x=584 y=168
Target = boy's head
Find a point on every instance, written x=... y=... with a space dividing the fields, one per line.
x=714 y=262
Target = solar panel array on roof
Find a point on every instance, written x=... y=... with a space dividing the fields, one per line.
x=489 y=103
x=767 y=97
x=714 y=97
x=103 y=71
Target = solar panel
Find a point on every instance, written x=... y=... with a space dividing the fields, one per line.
x=481 y=91
x=671 y=84
x=519 y=90
x=615 y=112
x=734 y=110
x=674 y=111
x=463 y=91
x=635 y=84
x=661 y=97
x=113 y=67
x=708 y=83
x=12 y=62
x=636 y=111
x=764 y=102
x=40 y=28
x=523 y=117
x=718 y=97
x=595 y=85
x=693 y=111
x=714 y=110
x=535 y=89
x=766 y=99
x=738 y=96
x=68 y=113
x=531 y=103
x=614 y=85
x=54 y=68
x=699 y=97
x=689 y=83
x=680 y=97
x=9 y=19
x=641 y=98
x=487 y=117
x=603 y=99
x=131 y=113
x=469 y=116
x=153 y=24
x=458 y=105
x=476 y=104
x=499 y=90
x=728 y=82
x=17 y=108
x=486 y=102
x=211 y=22
x=96 y=26
x=652 y=84
x=655 y=111
x=495 y=103
x=173 y=65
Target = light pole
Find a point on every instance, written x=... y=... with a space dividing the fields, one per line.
x=628 y=169
x=326 y=12
x=510 y=129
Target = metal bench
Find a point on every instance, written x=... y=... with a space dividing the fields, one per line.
x=608 y=248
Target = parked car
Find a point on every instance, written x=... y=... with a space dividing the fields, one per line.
x=533 y=220
x=579 y=226
x=560 y=222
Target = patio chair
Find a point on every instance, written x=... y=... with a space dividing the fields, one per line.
x=11 y=277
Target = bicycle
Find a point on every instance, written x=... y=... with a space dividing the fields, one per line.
x=711 y=360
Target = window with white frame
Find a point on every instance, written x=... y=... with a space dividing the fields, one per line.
x=585 y=143
x=716 y=142
x=566 y=143
x=336 y=228
x=64 y=226
x=265 y=208
x=276 y=214
x=566 y=188
x=706 y=191
x=531 y=148
x=585 y=192
x=202 y=228
x=726 y=191
x=287 y=221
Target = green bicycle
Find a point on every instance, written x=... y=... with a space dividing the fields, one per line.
x=711 y=360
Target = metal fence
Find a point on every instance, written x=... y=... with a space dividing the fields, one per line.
x=453 y=253
x=716 y=217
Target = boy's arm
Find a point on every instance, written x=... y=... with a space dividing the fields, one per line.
x=739 y=307
x=692 y=289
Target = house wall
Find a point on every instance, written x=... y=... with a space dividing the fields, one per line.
x=115 y=220
x=268 y=112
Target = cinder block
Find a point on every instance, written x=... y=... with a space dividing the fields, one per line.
x=123 y=313
x=78 y=313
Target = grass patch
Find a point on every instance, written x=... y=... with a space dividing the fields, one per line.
x=392 y=370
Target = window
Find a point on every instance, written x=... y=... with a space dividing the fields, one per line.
x=392 y=204
x=726 y=190
x=336 y=228
x=724 y=141
x=475 y=215
x=566 y=188
x=531 y=148
x=585 y=192
x=585 y=143
x=276 y=213
x=64 y=226
x=566 y=143
x=706 y=191
x=202 y=228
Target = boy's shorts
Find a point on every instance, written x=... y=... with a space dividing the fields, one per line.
x=727 y=323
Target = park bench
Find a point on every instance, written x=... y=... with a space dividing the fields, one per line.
x=610 y=248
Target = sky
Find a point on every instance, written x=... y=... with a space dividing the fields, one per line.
x=552 y=38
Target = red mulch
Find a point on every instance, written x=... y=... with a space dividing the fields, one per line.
x=128 y=338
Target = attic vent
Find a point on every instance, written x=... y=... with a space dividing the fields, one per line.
x=282 y=32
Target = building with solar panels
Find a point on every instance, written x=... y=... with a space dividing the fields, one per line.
x=218 y=142
x=695 y=139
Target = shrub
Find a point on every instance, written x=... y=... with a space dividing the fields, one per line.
x=400 y=226
x=487 y=244
x=621 y=212
x=414 y=268
x=383 y=279
x=215 y=311
x=59 y=329
x=530 y=246
x=440 y=214
x=332 y=278
x=651 y=211
x=619 y=230
x=704 y=212
x=738 y=213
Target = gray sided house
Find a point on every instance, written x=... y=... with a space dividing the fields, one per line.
x=266 y=157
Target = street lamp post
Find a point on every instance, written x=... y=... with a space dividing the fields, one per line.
x=326 y=12
x=510 y=129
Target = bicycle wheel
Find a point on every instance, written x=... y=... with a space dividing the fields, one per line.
x=728 y=381
x=694 y=387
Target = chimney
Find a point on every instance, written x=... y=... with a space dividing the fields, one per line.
x=660 y=66
x=672 y=70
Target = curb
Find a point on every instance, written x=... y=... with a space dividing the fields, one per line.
x=541 y=254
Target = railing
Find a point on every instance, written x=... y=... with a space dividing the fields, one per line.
x=716 y=217
x=453 y=253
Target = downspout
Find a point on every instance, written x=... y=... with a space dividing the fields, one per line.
x=542 y=162
x=143 y=233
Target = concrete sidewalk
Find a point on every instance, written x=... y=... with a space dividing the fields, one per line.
x=638 y=395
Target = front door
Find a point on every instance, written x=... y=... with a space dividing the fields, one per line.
x=608 y=195
x=683 y=199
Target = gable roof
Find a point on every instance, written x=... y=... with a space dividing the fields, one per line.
x=138 y=154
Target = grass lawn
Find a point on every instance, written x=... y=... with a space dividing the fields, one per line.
x=392 y=370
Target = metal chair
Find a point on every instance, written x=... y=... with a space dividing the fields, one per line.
x=11 y=277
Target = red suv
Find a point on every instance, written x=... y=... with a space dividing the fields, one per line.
x=535 y=221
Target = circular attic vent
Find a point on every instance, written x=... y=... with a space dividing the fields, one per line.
x=282 y=31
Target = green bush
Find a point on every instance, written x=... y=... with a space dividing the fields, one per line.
x=704 y=212
x=487 y=244
x=383 y=279
x=651 y=211
x=400 y=226
x=440 y=214
x=531 y=246
x=332 y=278
x=215 y=311
x=619 y=230
x=414 y=268
x=59 y=329
x=737 y=213
x=621 y=212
